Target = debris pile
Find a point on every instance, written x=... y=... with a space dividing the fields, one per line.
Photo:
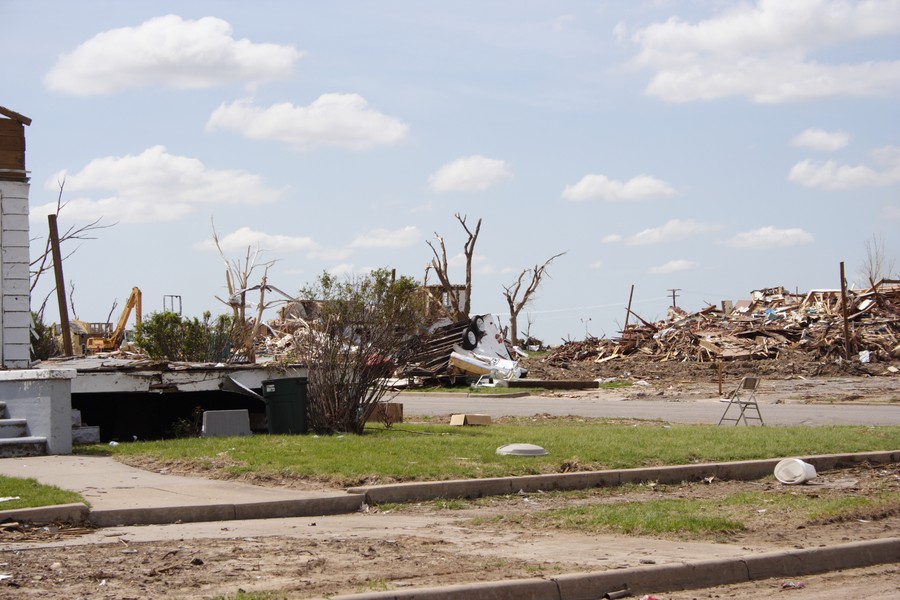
x=772 y=322
x=467 y=349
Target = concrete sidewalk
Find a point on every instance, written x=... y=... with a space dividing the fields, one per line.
x=123 y=495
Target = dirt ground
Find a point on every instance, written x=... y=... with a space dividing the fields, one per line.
x=485 y=540
x=429 y=544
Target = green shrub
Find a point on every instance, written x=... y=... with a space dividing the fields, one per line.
x=168 y=336
x=43 y=342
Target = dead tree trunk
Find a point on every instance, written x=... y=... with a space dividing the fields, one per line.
x=237 y=278
x=459 y=307
x=511 y=293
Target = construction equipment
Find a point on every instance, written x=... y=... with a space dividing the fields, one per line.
x=112 y=339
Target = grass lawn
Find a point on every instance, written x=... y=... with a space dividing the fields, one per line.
x=28 y=493
x=432 y=451
x=681 y=518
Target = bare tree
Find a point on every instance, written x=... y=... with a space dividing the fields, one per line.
x=459 y=307
x=238 y=277
x=72 y=299
x=363 y=329
x=877 y=264
x=512 y=291
x=44 y=261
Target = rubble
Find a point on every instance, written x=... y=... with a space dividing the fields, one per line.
x=772 y=322
x=466 y=349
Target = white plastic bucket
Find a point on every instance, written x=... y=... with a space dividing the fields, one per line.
x=792 y=471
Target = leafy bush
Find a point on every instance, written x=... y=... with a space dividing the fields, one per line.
x=43 y=342
x=365 y=326
x=168 y=336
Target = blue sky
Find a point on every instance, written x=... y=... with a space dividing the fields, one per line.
x=706 y=146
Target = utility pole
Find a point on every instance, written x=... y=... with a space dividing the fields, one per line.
x=674 y=295
x=60 y=286
x=844 y=312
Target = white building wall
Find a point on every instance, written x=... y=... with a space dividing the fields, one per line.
x=15 y=300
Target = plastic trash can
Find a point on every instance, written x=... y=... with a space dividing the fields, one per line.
x=286 y=405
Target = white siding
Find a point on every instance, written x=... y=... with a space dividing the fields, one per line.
x=15 y=303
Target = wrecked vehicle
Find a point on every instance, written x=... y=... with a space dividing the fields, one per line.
x=473 y=349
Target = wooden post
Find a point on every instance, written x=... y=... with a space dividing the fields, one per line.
x=721 y=368
x=60 y=287
x=628 y=310
x=846 y=316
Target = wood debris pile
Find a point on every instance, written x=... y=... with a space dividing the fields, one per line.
x=772 y=322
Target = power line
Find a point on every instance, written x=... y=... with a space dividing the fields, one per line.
x=674 y=295
x=559 y=310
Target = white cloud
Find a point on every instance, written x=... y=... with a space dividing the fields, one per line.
x=763 y=51
x=770 y=237
x=611 y=238
x=459 y=260
x=153 y=186
x=832 y=176
x=600 y=187
x=469 y=174
x=350 y=270
x=384 y=238
x=245 y=237
x=673 y=230
x=597 y=264
x=673 y=266
x=168 y=51
x=342 y=120
x=818 y=139
x=342 y=269
x=891 y=211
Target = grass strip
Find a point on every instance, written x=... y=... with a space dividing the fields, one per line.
x=420 y=452
x=32 y=494
x=678 y=517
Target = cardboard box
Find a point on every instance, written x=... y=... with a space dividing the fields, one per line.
x=470 y=419
x=386 y=412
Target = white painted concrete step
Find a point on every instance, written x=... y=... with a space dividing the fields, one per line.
x=13 y=428
x=23 y=446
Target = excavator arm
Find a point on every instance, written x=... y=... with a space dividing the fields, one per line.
x=112 y=341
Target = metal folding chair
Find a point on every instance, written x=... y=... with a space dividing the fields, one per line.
x=742 y=403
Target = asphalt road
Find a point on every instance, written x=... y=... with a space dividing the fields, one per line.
x=706 y=411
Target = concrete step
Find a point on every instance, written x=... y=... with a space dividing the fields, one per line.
x=23 y=446
x=86 y=434
x=13 y=428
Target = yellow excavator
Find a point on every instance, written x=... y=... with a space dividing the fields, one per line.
x=111 y=341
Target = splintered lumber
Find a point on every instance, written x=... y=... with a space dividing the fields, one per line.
x=774 y=321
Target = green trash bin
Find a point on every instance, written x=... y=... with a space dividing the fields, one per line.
x=286 y=405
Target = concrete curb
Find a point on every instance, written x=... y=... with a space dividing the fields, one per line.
x=499 y=486
x=280 y=509
x=80 y=514
x=662 y=578
x=75 y=513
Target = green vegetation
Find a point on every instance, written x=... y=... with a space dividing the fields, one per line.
x=636 y=518
x=614 y=385
x=168 y=336
x=450 y=504
x=32 y=494
x=701 y=518
x=471 y=389
x=363 y=327
x=242 y=595
x=416 y=452
x=43 y=342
